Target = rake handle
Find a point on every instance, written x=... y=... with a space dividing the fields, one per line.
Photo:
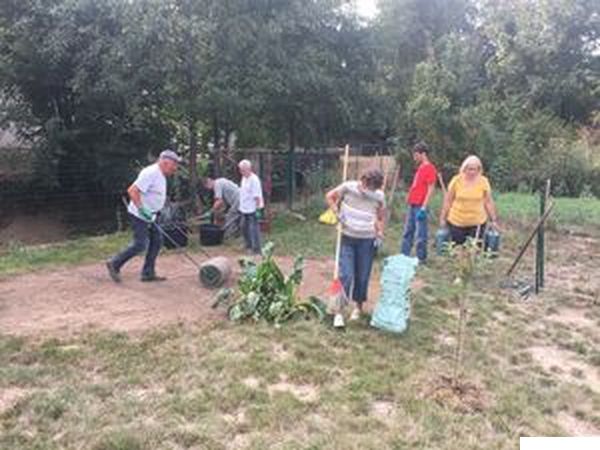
x=338 y=242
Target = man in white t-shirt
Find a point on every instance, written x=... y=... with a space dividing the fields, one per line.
x=251 y=205
x=147 y=194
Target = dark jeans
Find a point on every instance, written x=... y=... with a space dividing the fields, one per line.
x=459 y=235
x=146 y=237
x=412 y=225
x=251 y=232
x=356 y=261
x=232 y=222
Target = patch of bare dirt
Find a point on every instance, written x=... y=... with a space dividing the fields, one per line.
x=384 y=411
x=280 y=352
x=575 y=427
x=251 y=382
x=459 y=395
x=239 y=418
x=417 y=284
x=576 y=317
x=9 y=397
x=566 y=366
x=306 y=393
x=239 y=441
x=68 y=301
x=573 y=271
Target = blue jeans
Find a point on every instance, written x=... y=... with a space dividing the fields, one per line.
x=356 y=261
x=251 y=232
x=412 y=225
x=146 y=237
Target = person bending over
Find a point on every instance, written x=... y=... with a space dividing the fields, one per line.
x=359 y=206
x=227 y=198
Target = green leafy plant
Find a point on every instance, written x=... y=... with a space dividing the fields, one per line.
x=265 y=293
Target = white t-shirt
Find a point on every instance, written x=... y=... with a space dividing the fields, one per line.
x=153 y=187
x=250 y=189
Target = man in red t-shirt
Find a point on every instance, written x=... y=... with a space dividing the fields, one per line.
x=420 y=192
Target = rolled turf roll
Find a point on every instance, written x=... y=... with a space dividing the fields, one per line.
x=215 y=272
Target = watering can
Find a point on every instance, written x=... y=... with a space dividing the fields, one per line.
x=491 y=240
x=442 y=237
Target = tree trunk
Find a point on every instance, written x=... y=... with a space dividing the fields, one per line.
x=217 y=147
x=291 y=164
x=192 y=164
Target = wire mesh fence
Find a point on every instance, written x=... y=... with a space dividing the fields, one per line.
x=33 y=213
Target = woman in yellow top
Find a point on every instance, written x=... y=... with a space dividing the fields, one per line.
x=468 y=204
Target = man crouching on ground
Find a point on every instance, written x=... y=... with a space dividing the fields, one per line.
x=147 y=197
x=227 y=198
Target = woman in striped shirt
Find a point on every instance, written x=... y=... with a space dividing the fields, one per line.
x=359 y=206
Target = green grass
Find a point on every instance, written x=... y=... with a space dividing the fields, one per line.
x=19 y=258
x=310 y=238
x=302 y=386
x=568 y=212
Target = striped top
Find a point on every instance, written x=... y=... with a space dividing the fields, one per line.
x=358 y=209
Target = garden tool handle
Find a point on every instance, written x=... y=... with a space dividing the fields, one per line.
x=338 y=242
x=338 y=250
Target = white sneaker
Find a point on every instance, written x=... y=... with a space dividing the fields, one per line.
x=338 y=321
x=355 y=315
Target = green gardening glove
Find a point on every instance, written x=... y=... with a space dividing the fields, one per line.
x=208 y=215
x=146 y=214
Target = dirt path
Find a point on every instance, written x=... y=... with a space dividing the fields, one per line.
x=71 y=300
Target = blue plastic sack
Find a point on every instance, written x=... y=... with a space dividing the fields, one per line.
x=392 y=312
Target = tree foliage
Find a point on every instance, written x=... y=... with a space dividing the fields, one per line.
x=98 y=85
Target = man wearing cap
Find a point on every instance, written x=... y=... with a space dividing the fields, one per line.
x=147 y=197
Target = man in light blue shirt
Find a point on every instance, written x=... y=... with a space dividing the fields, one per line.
x=147 y=195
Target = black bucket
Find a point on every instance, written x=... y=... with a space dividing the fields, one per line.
x=178 y=237
x=211 y=235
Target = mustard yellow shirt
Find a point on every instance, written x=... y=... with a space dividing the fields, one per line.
x=468 y=208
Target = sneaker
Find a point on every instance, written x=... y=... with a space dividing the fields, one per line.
x=338 y=321
x=355 y=315
x=112 y=272
x=150 y=278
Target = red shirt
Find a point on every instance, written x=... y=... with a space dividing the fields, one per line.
x=425 y=175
